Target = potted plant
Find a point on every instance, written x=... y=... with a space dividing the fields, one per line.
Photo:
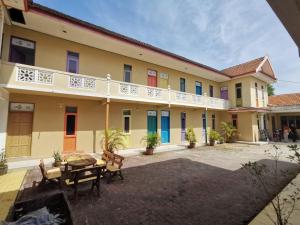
x=229 y=132
x=152 y=140
x=115 y=140
x=3 y=165
x=57 y=159
x=221 y=140
x=190 y=137
x=213 y=137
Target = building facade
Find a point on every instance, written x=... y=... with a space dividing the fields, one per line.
x=63 y=82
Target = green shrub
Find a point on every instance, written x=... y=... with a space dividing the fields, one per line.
x=190 y=136
x=115 y=140
x=229 y=132
x=152 y=140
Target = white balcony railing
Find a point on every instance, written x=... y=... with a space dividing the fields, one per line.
x=26 y=77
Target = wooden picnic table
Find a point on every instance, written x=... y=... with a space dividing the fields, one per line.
x=80 y=160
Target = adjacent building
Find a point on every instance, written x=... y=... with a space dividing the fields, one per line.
x=64 y=81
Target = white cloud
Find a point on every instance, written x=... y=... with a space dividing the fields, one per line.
x=217 y=33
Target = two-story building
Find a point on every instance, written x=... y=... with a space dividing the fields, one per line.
x=63 y=81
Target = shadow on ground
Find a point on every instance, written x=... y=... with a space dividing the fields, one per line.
x=178 y=191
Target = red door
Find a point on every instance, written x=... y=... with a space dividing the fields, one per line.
x=152 y=78
x=70 y=135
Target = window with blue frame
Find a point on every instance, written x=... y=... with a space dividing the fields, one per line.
x=182 y=84
x=198 y=88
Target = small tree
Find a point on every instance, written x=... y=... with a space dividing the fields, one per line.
x=229 y=132
x=115 y=140
x=270 y=90
x=213 y=137
x=283 y=206
x=190 y=137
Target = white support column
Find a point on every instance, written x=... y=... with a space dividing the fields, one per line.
x=4 y=104
x=261 y=121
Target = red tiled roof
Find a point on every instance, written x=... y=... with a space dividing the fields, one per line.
x=244 y=68
x=284 y=100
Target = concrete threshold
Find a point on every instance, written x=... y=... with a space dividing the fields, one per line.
x=253 y=143
x=30 y=162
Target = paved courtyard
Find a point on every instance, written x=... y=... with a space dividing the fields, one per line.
x=202 y=186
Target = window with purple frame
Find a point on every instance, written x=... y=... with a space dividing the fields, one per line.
x=72 y=62
x=224 y=93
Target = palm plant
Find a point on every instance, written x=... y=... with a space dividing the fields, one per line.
x=229 y=132
x=213 y=137
x=57 y=158
x=152 y=140
x=190 y=137
x=115 y=140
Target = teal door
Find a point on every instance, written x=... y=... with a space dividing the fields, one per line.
x=165 y=126
x=151 y=122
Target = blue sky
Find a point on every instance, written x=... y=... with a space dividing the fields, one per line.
x=217 y=33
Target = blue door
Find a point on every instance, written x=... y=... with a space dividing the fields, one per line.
x=183 y=126
x=165 y=126
x=151 y=122
x=198 y=88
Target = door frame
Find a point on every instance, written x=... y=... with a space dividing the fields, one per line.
x=65 y=128
x=181 y=130
x=24 y=39
x=152 y=116
x=151 y=76
x=8 y=119
x=169 y=128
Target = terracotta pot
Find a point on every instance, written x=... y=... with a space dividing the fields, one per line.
x=192 y=145
x=57 y=163
x=211 y=142
x=149 y=151
x=3 y=170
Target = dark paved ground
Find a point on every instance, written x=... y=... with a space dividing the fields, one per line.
x=176 y=191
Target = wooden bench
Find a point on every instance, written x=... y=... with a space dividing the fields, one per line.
x=114 y=164
x=49 y=174
x=88 y=174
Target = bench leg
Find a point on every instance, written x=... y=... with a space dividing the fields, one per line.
x=98 y=187
x=108 y=177
x=121 y=175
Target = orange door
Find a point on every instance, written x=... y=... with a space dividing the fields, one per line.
x=19 y=132
x=70 y=132
x=152 y=78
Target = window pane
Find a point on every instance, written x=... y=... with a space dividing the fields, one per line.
x=72 y=66
x=72 y=62
x=211 y=91
x=126 y=112
x=126 y=124
x=127 y=76
x=70 y=109
x=182 y=84
x=22 y=51
x=70 y=128
x=127 y=67
x=238 y=93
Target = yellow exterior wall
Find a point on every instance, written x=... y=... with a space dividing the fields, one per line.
x=48 y=122
x=248 y=91
x=51 y=52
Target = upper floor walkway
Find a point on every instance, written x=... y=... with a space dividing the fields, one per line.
x=38 y=79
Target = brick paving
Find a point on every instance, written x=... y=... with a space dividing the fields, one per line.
x=204 y=186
